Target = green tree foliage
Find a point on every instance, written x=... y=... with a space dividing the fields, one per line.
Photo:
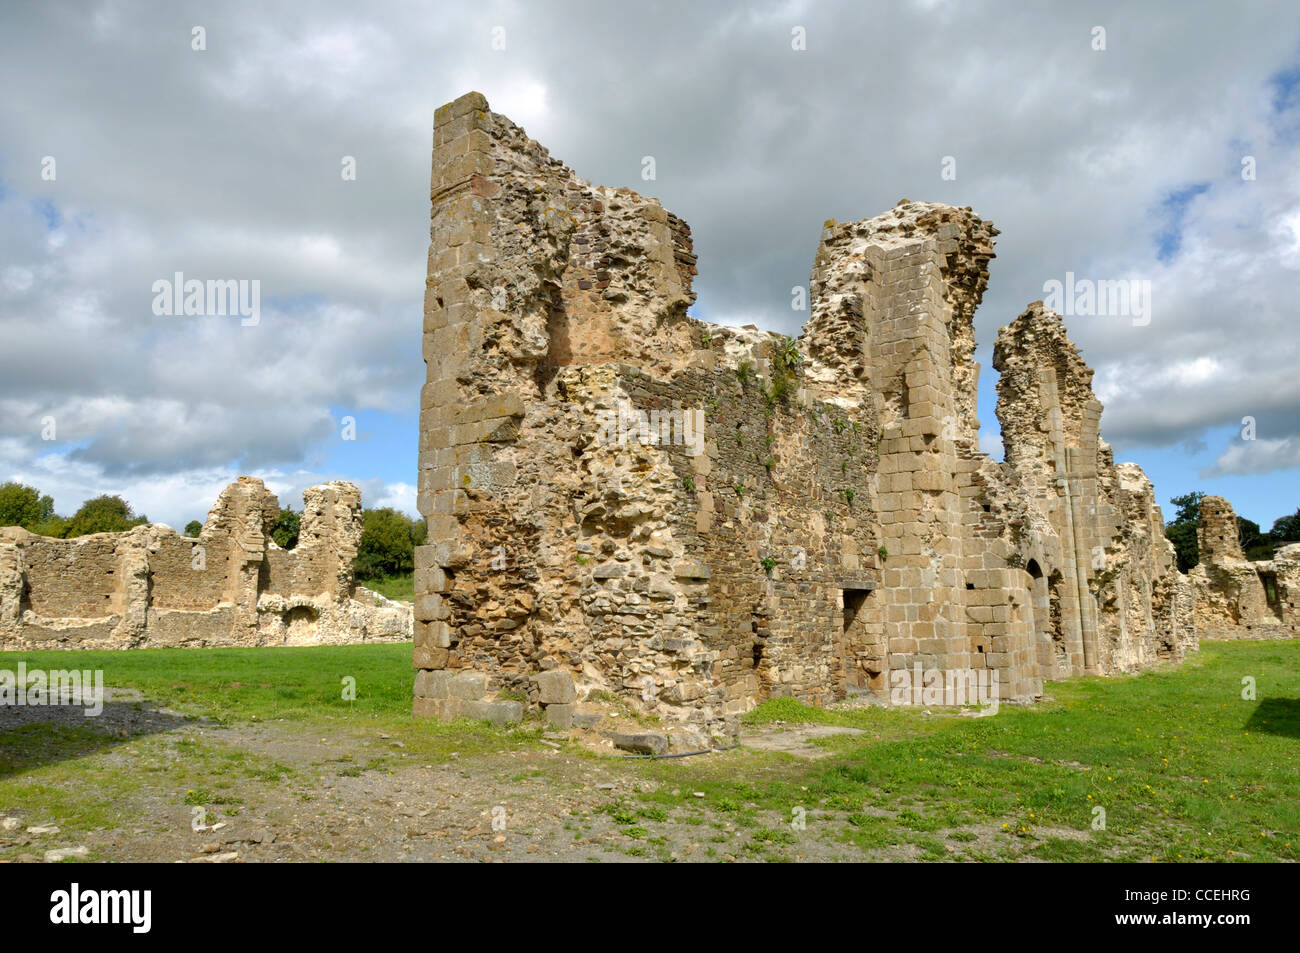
x=22 y=505
x=193 y=528
x=285 y=531
x=1181 y=530
x=1255 y=543
x=388 y=541
x=1286 y=529
x=56 y=526
x=103 y=514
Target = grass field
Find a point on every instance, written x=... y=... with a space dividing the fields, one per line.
x=400 y=588
x=1182 y=765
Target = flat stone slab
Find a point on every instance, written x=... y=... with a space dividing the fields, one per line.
x=644 y=742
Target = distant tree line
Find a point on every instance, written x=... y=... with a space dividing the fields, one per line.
x=25 y=506
x=387 y=547
x=1255 y=543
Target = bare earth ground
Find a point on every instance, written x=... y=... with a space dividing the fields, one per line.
x=356 y=796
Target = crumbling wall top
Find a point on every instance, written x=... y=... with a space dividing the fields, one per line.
x=1043 y=379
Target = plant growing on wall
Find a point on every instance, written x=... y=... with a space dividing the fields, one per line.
x=768 y=563
x=786 y=361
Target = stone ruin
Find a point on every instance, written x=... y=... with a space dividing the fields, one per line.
x=1238 y=599
x=691 y=518
x=232 y=586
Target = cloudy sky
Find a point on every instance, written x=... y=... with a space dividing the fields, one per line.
x=127 y=155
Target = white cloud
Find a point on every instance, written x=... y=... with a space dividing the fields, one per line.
x=1256 y=456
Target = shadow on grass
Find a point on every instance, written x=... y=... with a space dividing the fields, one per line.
x=1276 y=716
x=32 y=736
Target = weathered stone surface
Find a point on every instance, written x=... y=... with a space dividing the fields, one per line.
x=1236 y=598
x=467 y=685
x=232 y=585
x=645 y=742
x=555 y=687
x=500 y=713
x=433 y=684
x=559 y=715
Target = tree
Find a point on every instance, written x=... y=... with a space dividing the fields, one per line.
x=193 y=528
x=55 y=526
x=388 y=541
x=22 y=505
x=1255 y=544
x=1286 y=529
x=285 y=531
x=103 y=514
x=1181 y=530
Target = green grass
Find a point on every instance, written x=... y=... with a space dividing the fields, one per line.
x=1185 y=768
x=251 y=684
x=400 y=588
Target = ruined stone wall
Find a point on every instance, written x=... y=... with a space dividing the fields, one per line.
x=692 y=518
x=1120 y=603
x=1236 y=598
x=232 y=585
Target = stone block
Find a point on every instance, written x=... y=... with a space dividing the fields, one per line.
x=433 y=684
x=555 y=687
x=643 y=742
x=560 y=716
x=470 y=686
x=500 y=713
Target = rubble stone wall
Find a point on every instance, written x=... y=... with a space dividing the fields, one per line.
x=694 y=518
x=1236 y=598
x=232 y=585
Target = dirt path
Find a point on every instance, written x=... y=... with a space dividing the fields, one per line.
x=319 y=793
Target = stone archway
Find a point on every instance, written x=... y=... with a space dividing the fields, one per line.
x=1045 y=600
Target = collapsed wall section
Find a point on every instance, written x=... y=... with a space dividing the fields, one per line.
x=1234 y=597
x=1116 y=600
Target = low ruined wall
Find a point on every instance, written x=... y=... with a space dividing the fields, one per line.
x=1236 y=598
x=232 y=585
